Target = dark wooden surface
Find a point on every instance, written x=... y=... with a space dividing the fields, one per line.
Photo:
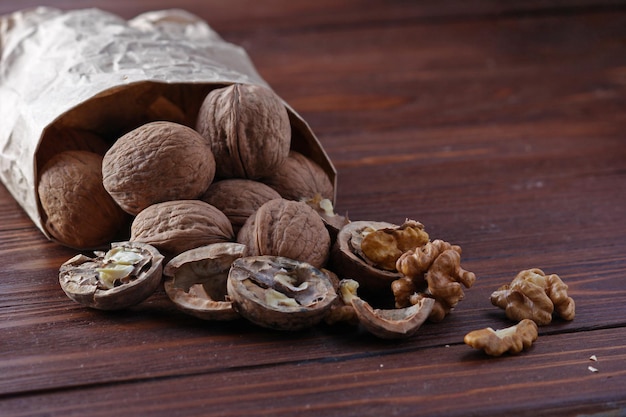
x=499 y=125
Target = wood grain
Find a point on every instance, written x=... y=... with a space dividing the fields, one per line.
x=499 y=125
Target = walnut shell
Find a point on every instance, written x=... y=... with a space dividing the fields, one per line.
x=348 y=261
x=279 y=293
x=238 y=198
x=79 y=213
x=174 y=227
x=58 y=139
x=197 y=280
x=158 y=161
x=286 y=228
x=248 y=128
x=124 y=276
x=300 y=178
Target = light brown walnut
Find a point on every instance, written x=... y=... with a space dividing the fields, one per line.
x=248 y=129
x=288 y=229
x=174 y=227
x=512 y=339
x=157 y=162
x=534 y=295
x=299 y=177
x=78 y=212
x=238 y=198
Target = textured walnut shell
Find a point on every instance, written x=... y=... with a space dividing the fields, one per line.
x=174 y=227
x=347 y=261
x=396 y=323
x=286 y=228
x=248 y=129
x=79 y=213
x=79 y=279
x=238 y=198
x=279 y=293
x=156 y=162
x=300 y=178
x=197 y=280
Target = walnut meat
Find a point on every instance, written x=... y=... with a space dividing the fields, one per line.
x=174 y=227
x=512 y=339
x=248 y=128
x=534 y=295
x=300 y=178
x=238 y=198
x=158 y=161
x=79 y=213
x=286 y=228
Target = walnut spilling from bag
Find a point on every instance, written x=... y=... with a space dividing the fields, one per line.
x=512 y=339
x=534 y=295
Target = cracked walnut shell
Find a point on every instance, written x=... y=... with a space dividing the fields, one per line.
x=123 y=276
x=196 y=280
x=248 y=129
x=157 y=162
x=279 y=293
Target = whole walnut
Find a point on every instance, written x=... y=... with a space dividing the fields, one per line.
x=78 y=211
x=59 y=139
x=238 y=198
x=248 y=128
x=300 y=178
x=289 y=229
x=156 y=162
x=174 y=227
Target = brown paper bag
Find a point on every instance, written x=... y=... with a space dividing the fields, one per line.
x=93 y=72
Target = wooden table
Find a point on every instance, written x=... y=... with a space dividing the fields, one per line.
x=501 y=126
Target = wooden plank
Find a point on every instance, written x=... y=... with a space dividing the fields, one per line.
x=404 y=383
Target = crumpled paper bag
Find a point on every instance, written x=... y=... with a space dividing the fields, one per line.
x=90 y=70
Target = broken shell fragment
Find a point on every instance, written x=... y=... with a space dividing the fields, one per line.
x=196 y=280
x=124 y=276
x=386 y=323
x=278 y=292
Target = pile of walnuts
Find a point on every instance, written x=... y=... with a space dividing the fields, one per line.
x=235 y=223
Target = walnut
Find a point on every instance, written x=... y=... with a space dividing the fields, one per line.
x=238 y=198
x=279 y=293
x=248 y=128
x=123 y=276
x=79 y=213
x=386 y=323
x=444 y=279
x=156 y=162
x=197 y=280
x=414 y=264
x=512 y=339
x=174 y=227
x=299 y=177
x=534 y=295
x=349 y=262
x=286 y=228
x=384 y=246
